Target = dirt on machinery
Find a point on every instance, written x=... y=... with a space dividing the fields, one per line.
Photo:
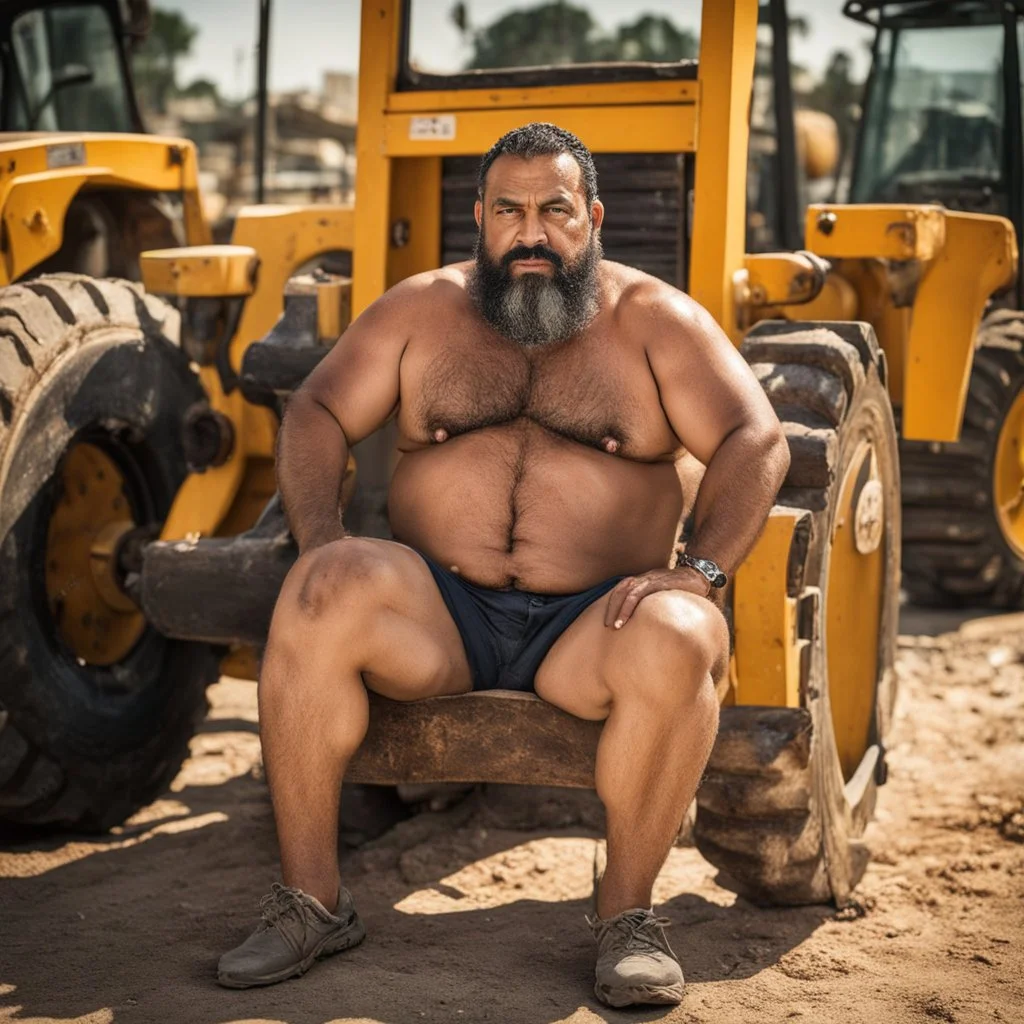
x=475 y=909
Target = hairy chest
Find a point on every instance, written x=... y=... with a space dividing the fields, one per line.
x=589 y=392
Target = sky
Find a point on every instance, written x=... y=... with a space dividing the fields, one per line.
x=309 y=37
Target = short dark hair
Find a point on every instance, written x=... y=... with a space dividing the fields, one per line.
x=541 y=139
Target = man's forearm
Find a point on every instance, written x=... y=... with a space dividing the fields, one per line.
x=739 y=487
x=312 y=454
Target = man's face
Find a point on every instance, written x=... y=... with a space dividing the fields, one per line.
x=538 y=249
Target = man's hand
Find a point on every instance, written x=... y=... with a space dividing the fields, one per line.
x=629 y=592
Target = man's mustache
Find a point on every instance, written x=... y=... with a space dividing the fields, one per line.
x=536 y=252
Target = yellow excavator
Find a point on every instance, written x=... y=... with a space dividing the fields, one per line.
x=141 y=541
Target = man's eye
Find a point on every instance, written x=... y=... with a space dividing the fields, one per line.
x=557 y=209
x=508 y=209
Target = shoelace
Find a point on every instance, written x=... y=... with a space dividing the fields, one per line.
x=636 y=930
x=276 y=905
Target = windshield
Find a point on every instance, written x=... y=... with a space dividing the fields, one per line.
x=934 y=115
x=63 y=72
x=494 y=36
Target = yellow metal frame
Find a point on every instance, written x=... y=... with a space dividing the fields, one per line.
x=286 y=238
x=35 y=196
x=767 y=648
x=652 y=116
x=961 y=259
x=200 y=271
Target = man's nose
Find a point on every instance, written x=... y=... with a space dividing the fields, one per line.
x=531 y=230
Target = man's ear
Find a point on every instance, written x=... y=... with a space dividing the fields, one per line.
x=478 y=212
x=597 y=213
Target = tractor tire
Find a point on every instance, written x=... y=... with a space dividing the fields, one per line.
x=963 y=520
x=96 y=707
x=788 y=792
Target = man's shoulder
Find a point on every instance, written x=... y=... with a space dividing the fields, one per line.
x=443 y=286
x=641 y=300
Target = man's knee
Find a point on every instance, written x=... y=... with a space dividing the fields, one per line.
x=678 y=643
x=346 y=576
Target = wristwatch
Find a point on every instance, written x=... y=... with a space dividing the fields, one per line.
x=708 y=569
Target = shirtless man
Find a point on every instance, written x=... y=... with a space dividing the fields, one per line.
x=542 y=397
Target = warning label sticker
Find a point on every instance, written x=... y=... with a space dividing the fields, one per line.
x=440 y=127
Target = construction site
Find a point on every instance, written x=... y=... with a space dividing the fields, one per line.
x=207 y=211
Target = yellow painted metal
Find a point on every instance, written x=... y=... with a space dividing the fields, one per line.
x=778 y=278
x=961 y=259
x=598 y=94
x=837 y=300
x=852 y=616
x=727 y=41
x=333 y=308
x=91 y=510
x=1008 y=477
x=34 y=196
x=980 y=256
x=200 y=271
x=256 y=488
x=378 y=67
x=285 y=237
x=416 y=199
x=870 y=281
x=876 y=231
x=33 y=218
x=765 y=618
x=241 y=663
x=649 y=128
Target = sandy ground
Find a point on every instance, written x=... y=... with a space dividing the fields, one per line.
x=475 y=912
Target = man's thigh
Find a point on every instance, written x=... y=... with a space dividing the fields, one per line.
x=571 y=676
x=591 y=663
x=380 y=602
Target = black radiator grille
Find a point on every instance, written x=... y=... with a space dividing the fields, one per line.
x=645 y=201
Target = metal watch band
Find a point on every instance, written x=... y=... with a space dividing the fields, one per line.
x=708 y=569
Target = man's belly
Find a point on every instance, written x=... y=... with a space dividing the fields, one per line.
x=516 y=506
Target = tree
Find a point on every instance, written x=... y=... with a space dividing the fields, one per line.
x=837 y=91
x=550 y=33
x=155 y=61
x=653 y=38
x=562 y=33
x=199 y=88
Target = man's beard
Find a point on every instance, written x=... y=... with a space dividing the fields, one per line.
x=533 y=309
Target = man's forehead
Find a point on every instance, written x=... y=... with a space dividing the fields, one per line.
x=550 y=172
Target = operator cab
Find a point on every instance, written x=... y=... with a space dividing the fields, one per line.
x=64 y=66
x=942 y=110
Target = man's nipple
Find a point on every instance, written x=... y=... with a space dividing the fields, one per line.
x=440 y=435
x=610 y=445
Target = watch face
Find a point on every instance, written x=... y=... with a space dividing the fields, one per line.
x=708 y=569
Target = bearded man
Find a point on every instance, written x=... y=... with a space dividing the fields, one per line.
x=542 y=397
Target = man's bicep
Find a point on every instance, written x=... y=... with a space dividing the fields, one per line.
x=358 y=380
x=707 y=388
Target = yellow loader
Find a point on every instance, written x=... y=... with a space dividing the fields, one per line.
x=142 y=545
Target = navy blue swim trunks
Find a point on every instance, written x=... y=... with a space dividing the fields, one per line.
x=507 y=633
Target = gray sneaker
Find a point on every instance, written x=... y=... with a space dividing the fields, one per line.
x=635 y=963
x=296 y=930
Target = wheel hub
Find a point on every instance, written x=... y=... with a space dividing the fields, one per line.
x=91 y=520
x=853 y=601
x=1008 y=477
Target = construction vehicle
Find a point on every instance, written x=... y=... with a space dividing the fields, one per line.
x=948 y=131
x=142 y=545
